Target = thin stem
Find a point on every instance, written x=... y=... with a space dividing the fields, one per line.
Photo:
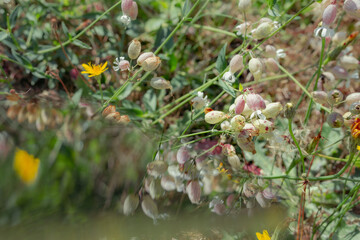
x=297 y=144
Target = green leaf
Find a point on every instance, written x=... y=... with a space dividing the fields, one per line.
x=221 y=61
x=149 y=100
x=186 y=8
x=230 y=90
x=271 y=3
x=76 y=97
x=14 y=15
x=66 y=30
x=126 y=92
x=81 y=44
x=3 y=35
x=241 y=87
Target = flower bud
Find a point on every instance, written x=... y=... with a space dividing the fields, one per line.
x=244 y=5
x=329 y=14
x=225 y=125
x=182 y=155
x=168 y=183
x=319 y=97
x=151 y=63
x=270 y=51
x=155 y=189
x=256 y=68
x=130 y=205
x=255 y=102
x=134 y=49
x=236 y=63
x=264 y=126
x=335 y=120
x=263 y=202
x=129 y=8
x=143 y=57
x=354 y=97
x=219 y=209
x=239 y=104
x=193 y=190
x=272 y=110
x=157 y=168
x=214 y=117
x=234 y=162
x=355 y=108
x=230 y=200
x=160 y=83
x=237 y=123
x=334 y=97
x=271 y=65
x=289 y=111
x=349 y=62
x=263 y=30
x=149 y=207
x=74 y=73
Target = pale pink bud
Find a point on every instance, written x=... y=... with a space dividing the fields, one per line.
x=236 y=63
x=268 y=194
x=130 y=205
x=264 y=126
x=329 y=14
x=319 y=97
x=182 y=155
x=168 y=183
x=193 y=190
x=230 y=200
x=352 y=98
x=234 y=162
x=352 y=7
x=228 y=150
x=237 y=123
x=143 y=57
x=271 y=65
x=272 y=110
x=160 y=83
x=129 y=8
x=239 y=105
x=151 y=63
x=157 y=168
x=74 y=73
x=255 y=102
x=214 y=117
x=149 y=207
x=155 y=189
x=134 y=49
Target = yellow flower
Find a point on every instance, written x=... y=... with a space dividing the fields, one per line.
x=26 y=166
x=264 y=236
x=94 y=70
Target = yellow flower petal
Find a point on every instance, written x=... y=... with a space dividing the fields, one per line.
x=26 y=166
x=358 y=148
x=259 y=236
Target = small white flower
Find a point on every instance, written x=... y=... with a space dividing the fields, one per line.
x=258 y=114
x=243 y=29
x=280 y=53
x=121 y=64
x=324 y=32
x=200 y=101
x=125 y=20
x=229 y=77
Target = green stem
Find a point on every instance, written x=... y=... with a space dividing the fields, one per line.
x=216 y=30
x=297 y=144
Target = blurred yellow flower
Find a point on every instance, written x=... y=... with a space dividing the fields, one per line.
x=26 y=166
x=264 y=236
x=94 y=70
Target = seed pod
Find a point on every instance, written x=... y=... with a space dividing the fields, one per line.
x=151 y=63
x=239 y=104
x=335 y=120
x=198 y=102
x=256 y=68
x=354 y=97
x=232 y=109
x=237 y=123
x=268 y=194
x=160 y=83
x=182 y=155
x=193 y=190
x=228 y=150
x=319 y=97
x=123 y=65
x=157 y=168
x=339 y=72
x=247 y=111
x=244 y=5
x=263 y=30
x=243 y=28
x=263 y=202
x=334 y=97
x=143 y=57
x=236 y=63
x=247 y=146
x=255 y=102
x=130 y=8
x=329 y=14
x=219 y=209
x=339 y=37
x=134 y=49
x=130 y=205
x=271 y=65
x=168 y=183
x=230 y=200
x=234 y=162
x=225 y=126
x=349 y=62
x=109 y=109
x=124 y=119
x=264 y=126
x=270 y=51
x=149 y=207
x=249 y=189
x=355 y=108
x=348 y=120
x=350 y=6
x=272 y=110
x=214 y=117
x=155 y=189
x=113 y=116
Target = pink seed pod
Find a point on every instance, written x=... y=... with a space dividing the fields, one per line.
x=237 y=123
x=329 y=14
x=168 y=183
x=264 y=126
x=230 y=200
x=228 y=150
x=219 y=209
x=160 y=83
x=134 y=49
x=271 y=65
x=247 y=146
x=263 y=202
x=236 y=63
x=149 y=207
x=182 y=155
x=351 y=6
x=130 y=205
x=255 y=102
x=126 y=5
x=129 y=8
x=319 y=97
x=234 y=162
x=143 y=57
x=239 y=104
x=157 y=168
x=193 y=190
x=272 y=110
x=151 y=63
x=214 y=117
x=352 y=98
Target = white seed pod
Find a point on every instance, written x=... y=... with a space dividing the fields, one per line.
x=134 y=49
x=155 y=189
x=234 y=162
x=329 y=14
x=263 y=202
x=264 y=126
x=182 y=155
x=349 y=62
x=354 y=97
x=263 y=30
x=247 y=111
x=237 y=123
x=157 y=168
x=272 y=110
x=232 y=108
x=249 y=189
x=236 y=63
x=319 y=97
x=243 y=28
x=168 y=183
x=214 y=117
x=149 y=207
x=247 y=146
x=143 y=57
x=174 y=171
x=160 y=83
x=151 y=63
x=193 y=190
x=271 y=65
x=256 y=68
x=244 y=5
x=270 y=51
x=225 y=125
x=130 y=205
